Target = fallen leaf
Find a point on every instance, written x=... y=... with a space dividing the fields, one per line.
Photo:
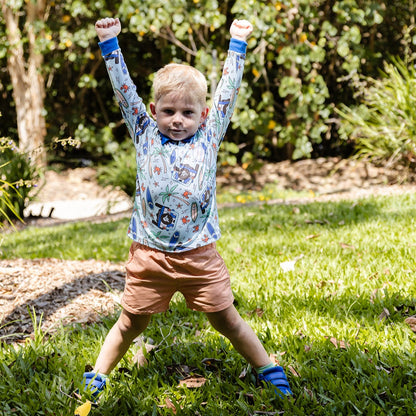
x=384 y=314
x=293 y=371
x=170 y=405
x=243 y=373
x=381 y=368
x=308 y=392
x=334 y=341
x=309 y=237
x=258 y=311
x=338 y=343
x=274 y=359
x=140 y=357
x=347 y=246
x=192 y=382
x=411 y=321
x=84 y=409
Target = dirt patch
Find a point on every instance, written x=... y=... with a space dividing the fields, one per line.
x=324 y=178
x=74 y=184
x=67 y=292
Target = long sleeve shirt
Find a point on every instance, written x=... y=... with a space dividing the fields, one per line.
x=175 y=202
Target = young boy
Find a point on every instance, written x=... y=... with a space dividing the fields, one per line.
x=174 y=224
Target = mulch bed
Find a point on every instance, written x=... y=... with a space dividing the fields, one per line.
x=60 y=292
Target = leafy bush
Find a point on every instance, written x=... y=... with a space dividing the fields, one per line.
x=17 y=176
x=299 y=64
x=383 y=126
x=299 y=61
x=95 y=140
x=121 y=171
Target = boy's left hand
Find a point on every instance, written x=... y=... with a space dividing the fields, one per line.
x=241 y=29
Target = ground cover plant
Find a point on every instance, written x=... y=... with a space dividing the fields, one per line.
x=327 y=286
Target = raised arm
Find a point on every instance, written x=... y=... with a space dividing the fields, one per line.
x=131 y=105
x=226 y=93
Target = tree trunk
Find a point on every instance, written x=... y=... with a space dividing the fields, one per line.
x=27 y=80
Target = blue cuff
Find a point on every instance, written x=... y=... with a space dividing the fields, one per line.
x=238 y=45
x=108 y=46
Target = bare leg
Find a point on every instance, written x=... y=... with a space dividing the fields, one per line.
x=230 y=324
x=118 y=340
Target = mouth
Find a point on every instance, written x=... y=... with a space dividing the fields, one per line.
x=177 y=132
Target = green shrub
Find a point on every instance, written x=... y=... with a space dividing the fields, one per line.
x=17 y=176
x=383 y=126
x=121 y=171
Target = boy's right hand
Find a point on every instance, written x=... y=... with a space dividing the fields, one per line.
x=241 y=29
x=107 y=28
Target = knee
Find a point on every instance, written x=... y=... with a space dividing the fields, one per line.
x=227 y=325
x=128 y=323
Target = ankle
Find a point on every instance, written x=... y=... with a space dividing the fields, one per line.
x=260 y=370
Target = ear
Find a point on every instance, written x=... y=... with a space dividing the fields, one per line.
x=153 y=109
x=204 y=114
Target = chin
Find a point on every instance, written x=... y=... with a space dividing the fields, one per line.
x=180 y=136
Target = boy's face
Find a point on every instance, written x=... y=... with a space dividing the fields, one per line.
x=178 y=115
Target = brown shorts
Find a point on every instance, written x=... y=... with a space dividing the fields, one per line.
x=153 y=276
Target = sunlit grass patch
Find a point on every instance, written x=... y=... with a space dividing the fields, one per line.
x=326 y=286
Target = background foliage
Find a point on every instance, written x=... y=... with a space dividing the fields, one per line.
x=383 y=125
x=302 y=58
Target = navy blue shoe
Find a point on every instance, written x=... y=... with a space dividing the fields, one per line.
x=94 y=383
x=277 y=377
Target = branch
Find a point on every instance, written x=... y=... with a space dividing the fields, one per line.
x=172 y=38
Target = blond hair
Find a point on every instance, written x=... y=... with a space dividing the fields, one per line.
x=182 y=79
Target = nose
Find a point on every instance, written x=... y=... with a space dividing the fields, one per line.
x=177 y=118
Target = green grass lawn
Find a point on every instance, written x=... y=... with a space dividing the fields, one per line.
x=326 y=286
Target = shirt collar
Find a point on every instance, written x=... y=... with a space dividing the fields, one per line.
x=164 y=139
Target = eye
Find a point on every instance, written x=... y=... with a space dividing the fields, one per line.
x=168 y=112
x=188 y=113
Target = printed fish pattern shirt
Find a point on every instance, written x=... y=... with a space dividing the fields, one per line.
x=175 y=203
